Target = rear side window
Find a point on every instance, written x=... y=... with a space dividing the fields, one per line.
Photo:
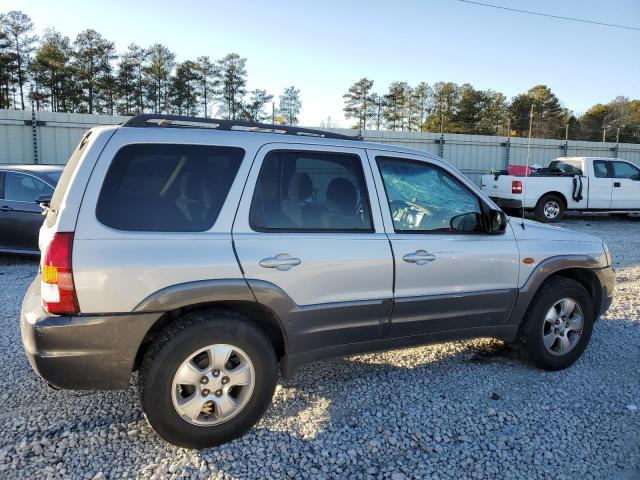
x=312 y=192
x=167 y=188
x=24 y=188
x=600 y=169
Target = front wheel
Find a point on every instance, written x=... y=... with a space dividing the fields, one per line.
x=207 y=379
x=558 y=325
x=549 y=209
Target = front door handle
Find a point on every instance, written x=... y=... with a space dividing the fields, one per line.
x=616 y=184
x=420 y=257
x=282 y=262
x=5 y=208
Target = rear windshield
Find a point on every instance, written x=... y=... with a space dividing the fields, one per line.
x=167 y=188
x=573 y=167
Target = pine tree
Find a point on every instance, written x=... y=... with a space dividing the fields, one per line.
x=160 y=64
x=233 y=81
x=396 y=102
x=468 y=110
x=5 y=67
x=359 y=102
x=255 y=109
x=17 y=27
x=422 y=95
x=92 y=69
x=184 y=93
x=290 y=105
x=444 y=101
x=51 y=71
x=130 y=81
x=208 y=80
x=549 y=118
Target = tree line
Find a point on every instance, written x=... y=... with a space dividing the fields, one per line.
x=452 y=108
x=89 y=76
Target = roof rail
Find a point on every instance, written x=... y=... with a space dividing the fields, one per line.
x=150 y=120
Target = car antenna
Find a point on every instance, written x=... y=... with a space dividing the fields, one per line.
x=526 y=172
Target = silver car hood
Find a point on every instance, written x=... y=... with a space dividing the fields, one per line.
x=541 y=231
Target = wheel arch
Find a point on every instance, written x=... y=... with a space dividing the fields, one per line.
x=580 y=268
x=555 y=193
x=231 y=294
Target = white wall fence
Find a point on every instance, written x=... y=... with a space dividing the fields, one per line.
x=49 y=138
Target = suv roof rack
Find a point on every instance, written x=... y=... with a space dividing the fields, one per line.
x=151 y=120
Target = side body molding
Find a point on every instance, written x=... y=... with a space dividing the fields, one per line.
x=543 y=271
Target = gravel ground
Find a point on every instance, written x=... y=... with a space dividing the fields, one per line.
x=467 y=409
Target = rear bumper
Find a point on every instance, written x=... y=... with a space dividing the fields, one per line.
x=84 y=352
x=507 y=202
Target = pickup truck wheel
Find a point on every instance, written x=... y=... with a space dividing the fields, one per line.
x=558 y=324
x=549 y=209
x=207 y=379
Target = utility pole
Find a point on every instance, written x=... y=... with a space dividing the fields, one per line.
x=273 y=113
x=604 y=135
x=566 y=141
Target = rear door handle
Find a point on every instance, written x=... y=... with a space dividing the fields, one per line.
x=419 y=257
x=616 y=184
x=282 y=262
x=5 y=208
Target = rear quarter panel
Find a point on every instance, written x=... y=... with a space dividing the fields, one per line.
x=115 y=270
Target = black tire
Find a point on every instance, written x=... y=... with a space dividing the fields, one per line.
x=541 y=205
x=531 y=331
x=196 y=330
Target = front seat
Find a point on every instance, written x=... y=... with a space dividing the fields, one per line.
x=295 y=205
x=342 y=205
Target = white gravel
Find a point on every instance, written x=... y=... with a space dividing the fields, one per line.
x=467 y=409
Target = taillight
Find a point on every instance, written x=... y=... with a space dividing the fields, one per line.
x=57 y=289
x=516 y=186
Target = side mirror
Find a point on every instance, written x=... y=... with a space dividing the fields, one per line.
x=467 y=222
x=497 y=222
x=44 y=200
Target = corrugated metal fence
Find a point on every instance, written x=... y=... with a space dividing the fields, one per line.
x=46 y=137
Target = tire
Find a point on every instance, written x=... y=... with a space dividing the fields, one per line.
x=549 y=209
x=175 y=346
x=535 y=324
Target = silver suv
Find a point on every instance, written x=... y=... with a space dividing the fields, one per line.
x=213 y=255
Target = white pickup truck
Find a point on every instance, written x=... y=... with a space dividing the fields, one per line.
x=568 y=183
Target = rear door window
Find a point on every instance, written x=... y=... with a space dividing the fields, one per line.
x=310 y=192
x=167 y=188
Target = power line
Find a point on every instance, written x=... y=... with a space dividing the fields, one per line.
x=613 y=25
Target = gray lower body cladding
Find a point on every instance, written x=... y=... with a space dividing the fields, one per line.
x=99 y=351
x=84 y=352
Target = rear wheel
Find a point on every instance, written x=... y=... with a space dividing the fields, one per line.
x=558 y=324
x=549 y=209
x=207 y=379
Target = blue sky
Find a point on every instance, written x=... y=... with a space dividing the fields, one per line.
x=323 y=47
